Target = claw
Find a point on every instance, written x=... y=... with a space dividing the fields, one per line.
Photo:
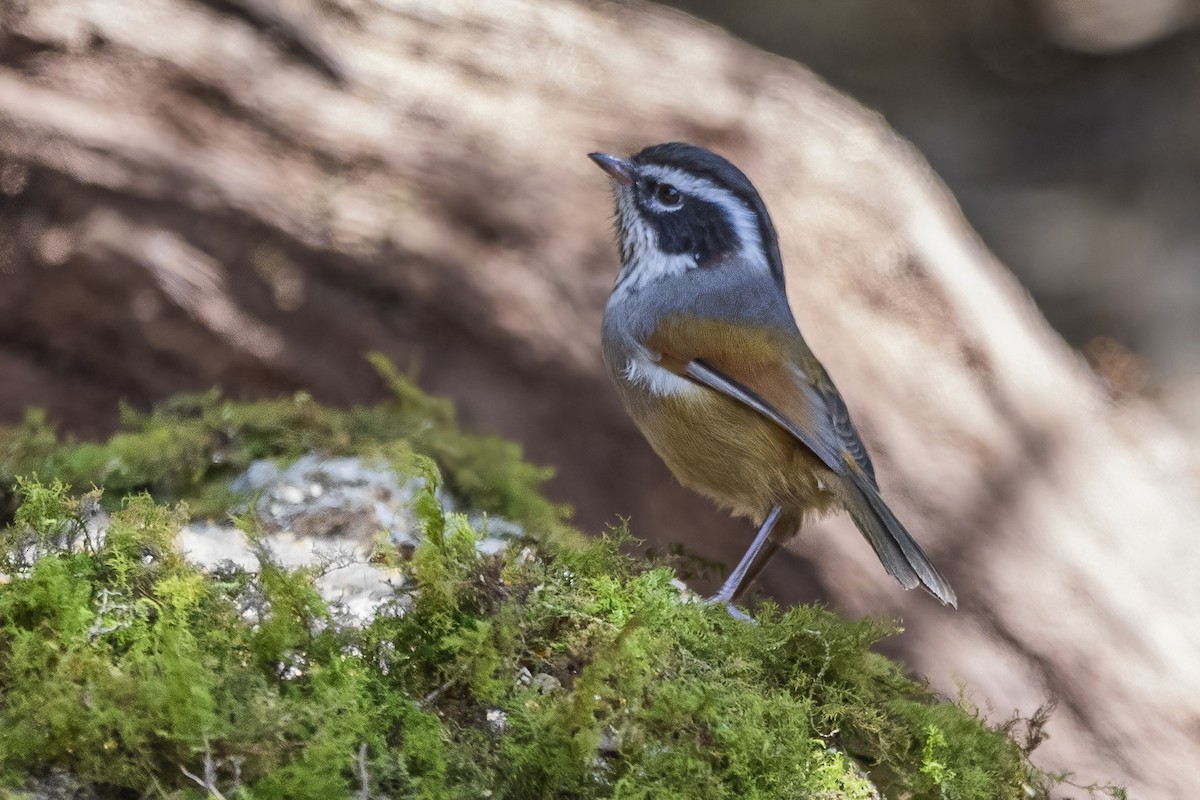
x=733 y=610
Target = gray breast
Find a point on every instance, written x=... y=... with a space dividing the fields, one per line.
x=730 y=291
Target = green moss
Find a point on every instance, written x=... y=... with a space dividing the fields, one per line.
x=192 y=446
x=573 y=671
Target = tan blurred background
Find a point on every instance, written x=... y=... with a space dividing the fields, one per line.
x=254 y=193
x=1068 y=130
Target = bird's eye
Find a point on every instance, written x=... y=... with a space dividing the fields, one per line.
x=668 y=195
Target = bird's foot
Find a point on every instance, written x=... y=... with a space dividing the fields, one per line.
x=733 y=610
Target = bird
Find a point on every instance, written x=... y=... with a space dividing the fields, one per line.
x=701 y=344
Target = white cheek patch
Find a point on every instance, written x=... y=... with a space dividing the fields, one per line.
x=644 y=370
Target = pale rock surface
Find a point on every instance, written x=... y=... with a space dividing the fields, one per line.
x=331 y=514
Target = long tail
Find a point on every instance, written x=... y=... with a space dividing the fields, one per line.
x=899 y=552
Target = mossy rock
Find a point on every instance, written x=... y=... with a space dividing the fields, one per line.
x=192 y=446
x=564 y=668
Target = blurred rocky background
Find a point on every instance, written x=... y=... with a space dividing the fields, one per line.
x=254 y=194
x=1066 y=129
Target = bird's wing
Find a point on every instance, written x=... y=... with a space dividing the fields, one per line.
x=772 y=372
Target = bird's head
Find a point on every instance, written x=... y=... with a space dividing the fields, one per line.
x=681 y=207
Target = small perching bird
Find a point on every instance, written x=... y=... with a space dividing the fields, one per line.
x=700 y=341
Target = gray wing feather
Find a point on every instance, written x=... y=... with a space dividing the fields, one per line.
x=828 y=452
x=900 y=554
x=846 y=434
x=898 y=551
x=840 y=436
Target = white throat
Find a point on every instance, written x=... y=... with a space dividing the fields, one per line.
x=642 y=262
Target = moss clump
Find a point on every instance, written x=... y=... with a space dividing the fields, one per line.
x=193 y=445
x=573 y=671
x=578 y=675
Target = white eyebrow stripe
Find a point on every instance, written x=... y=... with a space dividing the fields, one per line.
x=740 y=215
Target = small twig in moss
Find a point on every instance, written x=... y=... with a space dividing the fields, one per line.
x=212 y=790
x=817 y=680
x=98 y=628
x=236 y=763
x=429 y=698
x=332 y=559
x=209 y=781
x=364 y=785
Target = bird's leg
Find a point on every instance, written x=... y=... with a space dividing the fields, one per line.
x=733 y=584
x=768 y=552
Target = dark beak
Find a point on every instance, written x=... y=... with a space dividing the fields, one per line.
x=618 y=169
